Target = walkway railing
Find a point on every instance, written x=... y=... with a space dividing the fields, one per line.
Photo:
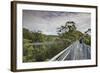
x=74 y=50
x=63 y=54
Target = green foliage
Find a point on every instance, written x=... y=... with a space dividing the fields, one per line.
x=68 y=27
x=54 y=43
x=38 y=37
x=33 y=36
x=87 y=40
x=37 y=53
x=69 y=32
x=72 y=36
x=28 y=54
x=27 y=34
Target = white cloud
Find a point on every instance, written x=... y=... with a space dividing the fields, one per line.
x=49 y=21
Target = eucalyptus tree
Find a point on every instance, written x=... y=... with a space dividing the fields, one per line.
x=68 y=27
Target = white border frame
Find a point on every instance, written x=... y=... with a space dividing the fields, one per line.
x=35 y=65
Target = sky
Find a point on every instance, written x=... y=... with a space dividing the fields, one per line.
x=49 y=21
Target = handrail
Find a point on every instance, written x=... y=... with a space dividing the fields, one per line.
x=62 y=52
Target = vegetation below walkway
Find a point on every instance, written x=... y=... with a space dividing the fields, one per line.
x=43 y=52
